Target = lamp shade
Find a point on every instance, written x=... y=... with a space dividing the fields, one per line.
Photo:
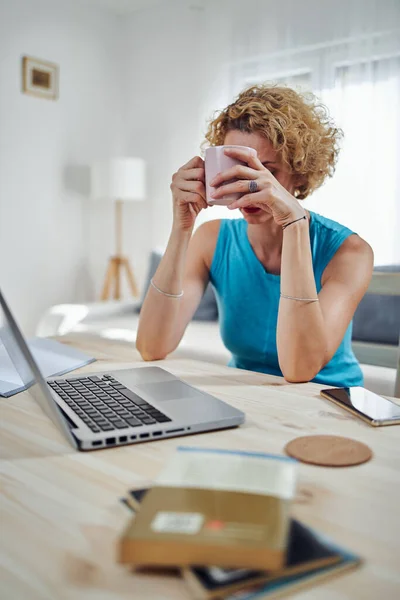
x=118 y=179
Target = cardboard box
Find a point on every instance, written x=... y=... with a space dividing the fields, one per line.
x=212 y=507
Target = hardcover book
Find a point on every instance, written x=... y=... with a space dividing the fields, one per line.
x=212 y=507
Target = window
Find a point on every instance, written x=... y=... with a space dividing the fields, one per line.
x=364 y=194
x=363 y=97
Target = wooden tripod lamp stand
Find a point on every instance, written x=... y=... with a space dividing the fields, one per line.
x=118 y=180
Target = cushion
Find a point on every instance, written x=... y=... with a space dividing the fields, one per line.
x=207 y=309
x=377 y=318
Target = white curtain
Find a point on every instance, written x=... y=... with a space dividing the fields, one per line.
x=348 y=53
x=365 y=191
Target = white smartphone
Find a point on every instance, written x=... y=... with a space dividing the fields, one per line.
x=370 y=407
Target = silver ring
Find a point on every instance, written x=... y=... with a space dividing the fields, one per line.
x=253 y=186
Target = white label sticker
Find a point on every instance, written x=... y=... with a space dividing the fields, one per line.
x=175 y=522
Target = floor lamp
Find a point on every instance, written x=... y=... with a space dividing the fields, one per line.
x=118 y=180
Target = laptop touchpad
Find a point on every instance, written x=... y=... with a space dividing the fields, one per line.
x=169 y=390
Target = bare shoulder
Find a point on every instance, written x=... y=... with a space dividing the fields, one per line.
x=354 y=260
x=205 y=238
x=357 y=250
x=355 y=244
x=208 y=229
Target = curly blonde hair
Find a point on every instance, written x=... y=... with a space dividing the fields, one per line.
x=298 y=126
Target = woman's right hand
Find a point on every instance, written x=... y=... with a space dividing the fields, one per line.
x=188 y=193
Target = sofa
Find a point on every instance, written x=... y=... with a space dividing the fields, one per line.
x=375 y=329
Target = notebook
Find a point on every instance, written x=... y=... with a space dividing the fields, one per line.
x=311 y=558
x=53 y=358
x=296 y=583
x=214 y=582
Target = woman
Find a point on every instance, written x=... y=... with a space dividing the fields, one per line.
x=287 y=280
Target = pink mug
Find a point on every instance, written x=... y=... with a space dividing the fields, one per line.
x=217 y=161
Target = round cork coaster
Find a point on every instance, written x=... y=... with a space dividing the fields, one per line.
x=328 y=450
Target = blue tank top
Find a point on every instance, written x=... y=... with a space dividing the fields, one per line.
x=248 y=301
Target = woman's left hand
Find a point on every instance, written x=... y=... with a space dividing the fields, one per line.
x=269 y=194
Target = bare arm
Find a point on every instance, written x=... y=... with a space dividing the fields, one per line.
x=309 y=333
x=185 y=266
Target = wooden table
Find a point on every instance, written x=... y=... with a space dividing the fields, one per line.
x=61 y=514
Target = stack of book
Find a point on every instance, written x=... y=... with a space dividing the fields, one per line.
x=223 y=518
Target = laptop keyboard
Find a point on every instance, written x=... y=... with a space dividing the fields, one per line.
x=104 y=404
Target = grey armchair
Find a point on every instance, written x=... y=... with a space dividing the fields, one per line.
x=376 y=325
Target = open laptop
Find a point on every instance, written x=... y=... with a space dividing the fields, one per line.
x=118 y=407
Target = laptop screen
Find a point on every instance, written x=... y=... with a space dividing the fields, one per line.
x=15 y=368
x=17 y=351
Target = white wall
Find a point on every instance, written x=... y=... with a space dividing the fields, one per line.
x=174 y=63
x=53 y=247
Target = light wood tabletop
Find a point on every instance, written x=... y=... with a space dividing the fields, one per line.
x=61 y=514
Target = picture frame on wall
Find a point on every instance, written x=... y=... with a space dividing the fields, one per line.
x=39 y=78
